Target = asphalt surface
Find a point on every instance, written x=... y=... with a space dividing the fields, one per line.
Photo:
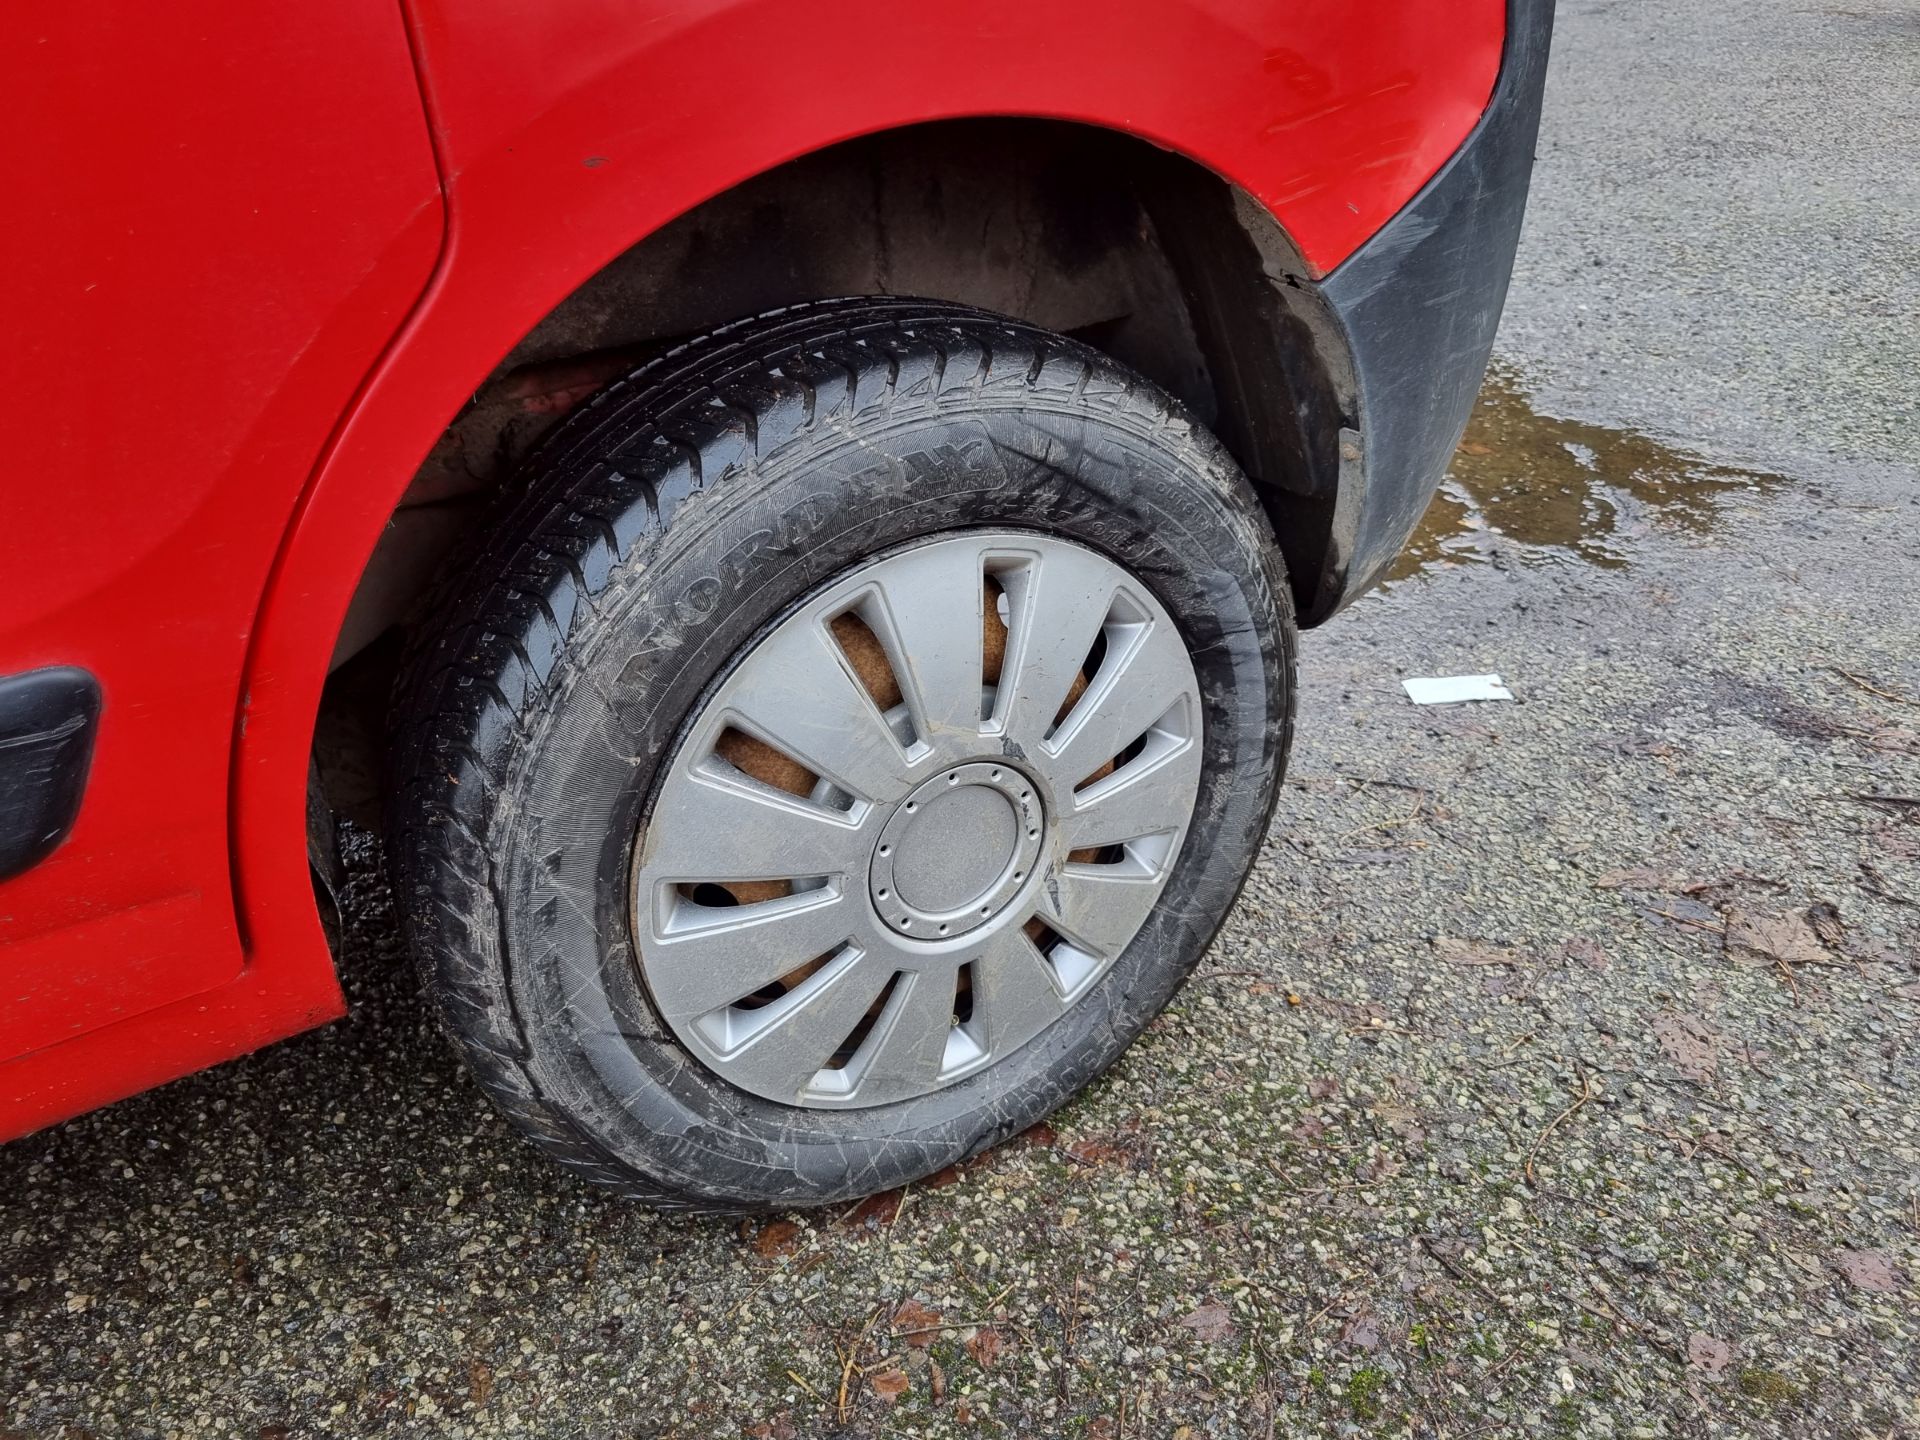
x=1559 y=1072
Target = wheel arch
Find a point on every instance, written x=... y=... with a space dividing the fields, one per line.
x=1142 y=251
x=1072 y=228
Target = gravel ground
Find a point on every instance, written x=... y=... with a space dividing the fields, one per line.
x=1557 y=1073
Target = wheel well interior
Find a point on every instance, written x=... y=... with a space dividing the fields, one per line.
x=1135 y=250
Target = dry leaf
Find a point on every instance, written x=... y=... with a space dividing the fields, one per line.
x=1638 y=878
x=1400 y=1119
x=876 y=1210
x=1362 y=1331
x=1687 y=913
x=1476 y=952
x=984 y=1347
x=1868 y=1269
x=1784 y=938
x=776 y=1237
x=1381 y=1167
x=479 y=1383
x=889 y=1385
x=1823 y=918
x=1809 y=1263
x=1212 y=1321
x=1499 y=985
x=1708 y=1354
x=1588 y=952
x=1899 y=842
x=1897 y=741
x=917 y=1323
x=1688 y=1043
x=1099 y=1150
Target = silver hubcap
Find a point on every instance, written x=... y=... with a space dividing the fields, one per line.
x=917 y=820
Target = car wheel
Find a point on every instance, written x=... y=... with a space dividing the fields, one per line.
x=839 y=752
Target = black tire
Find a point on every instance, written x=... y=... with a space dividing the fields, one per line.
x=664 y=525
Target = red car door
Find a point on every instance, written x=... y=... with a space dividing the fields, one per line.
x=217 y=216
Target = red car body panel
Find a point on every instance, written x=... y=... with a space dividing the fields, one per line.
x=192 y=304
x=252 y=277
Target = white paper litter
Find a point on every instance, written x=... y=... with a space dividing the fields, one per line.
x=1452 y=689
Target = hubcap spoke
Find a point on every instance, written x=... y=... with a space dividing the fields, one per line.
x=697 y=967
x=1060 y=600
x=796 y=690
x=1148 y=797
x=1132 y=691
x=910 y=1039
x=1014 y=994
x=1096 y=911
x=930 y=603
x=711 y=829
x=783 y=1059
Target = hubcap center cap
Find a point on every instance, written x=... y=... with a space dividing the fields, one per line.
x=956 y=850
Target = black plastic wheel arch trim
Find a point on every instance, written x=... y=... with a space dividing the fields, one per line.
x=1420 y=302
x=47 y=723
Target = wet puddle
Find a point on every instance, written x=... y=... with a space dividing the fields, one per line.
x=1562 y=490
